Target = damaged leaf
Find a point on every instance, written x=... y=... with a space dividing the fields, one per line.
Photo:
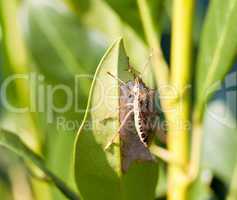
x=107 y=174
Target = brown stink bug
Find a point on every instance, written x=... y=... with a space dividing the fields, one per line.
x=141 y=103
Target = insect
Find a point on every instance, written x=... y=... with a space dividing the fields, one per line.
x=141 y=101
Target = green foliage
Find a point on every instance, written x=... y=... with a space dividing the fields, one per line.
x=15 y=144
x=68 y=48
x=216 y=56
x=94 y=167
x=220 y=139
x=63 y=38
x=128 y=11
x=217 y=48
x=52 y=34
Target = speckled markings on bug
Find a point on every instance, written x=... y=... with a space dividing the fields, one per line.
x=143 y=108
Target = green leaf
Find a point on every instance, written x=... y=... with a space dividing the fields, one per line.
x=128 y=12
x=218 y=47
x=220 y=141
x=59 y=42
x=13 y=142
x=58 y=157
x=103 y=19
x=64 y=51
x=98 y=173
x=219 y=127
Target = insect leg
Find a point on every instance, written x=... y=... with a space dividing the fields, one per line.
x=147 y=63
x=109 y=117
x=117 y=133
x=164 y=154
x=116 y=78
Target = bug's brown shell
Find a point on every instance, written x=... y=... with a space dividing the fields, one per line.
x=144 y=111
x=132 y=148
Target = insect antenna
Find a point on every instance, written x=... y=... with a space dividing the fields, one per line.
x=116 y=78
x=146 y=63
x=135 y=72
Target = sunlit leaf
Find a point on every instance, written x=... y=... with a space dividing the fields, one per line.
x=98 y=172
x=59 y=41
x=62 y=50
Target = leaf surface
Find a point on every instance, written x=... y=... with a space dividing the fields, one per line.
x=218 y=47
x=98 y=172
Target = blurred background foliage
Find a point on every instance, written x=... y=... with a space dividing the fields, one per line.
x=62 y=38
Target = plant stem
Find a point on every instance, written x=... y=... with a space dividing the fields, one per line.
x=197 y=133
x=160 y=67
x=179 y=118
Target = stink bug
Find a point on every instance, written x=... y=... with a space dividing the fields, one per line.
x=144 y=110
x=141 y=101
